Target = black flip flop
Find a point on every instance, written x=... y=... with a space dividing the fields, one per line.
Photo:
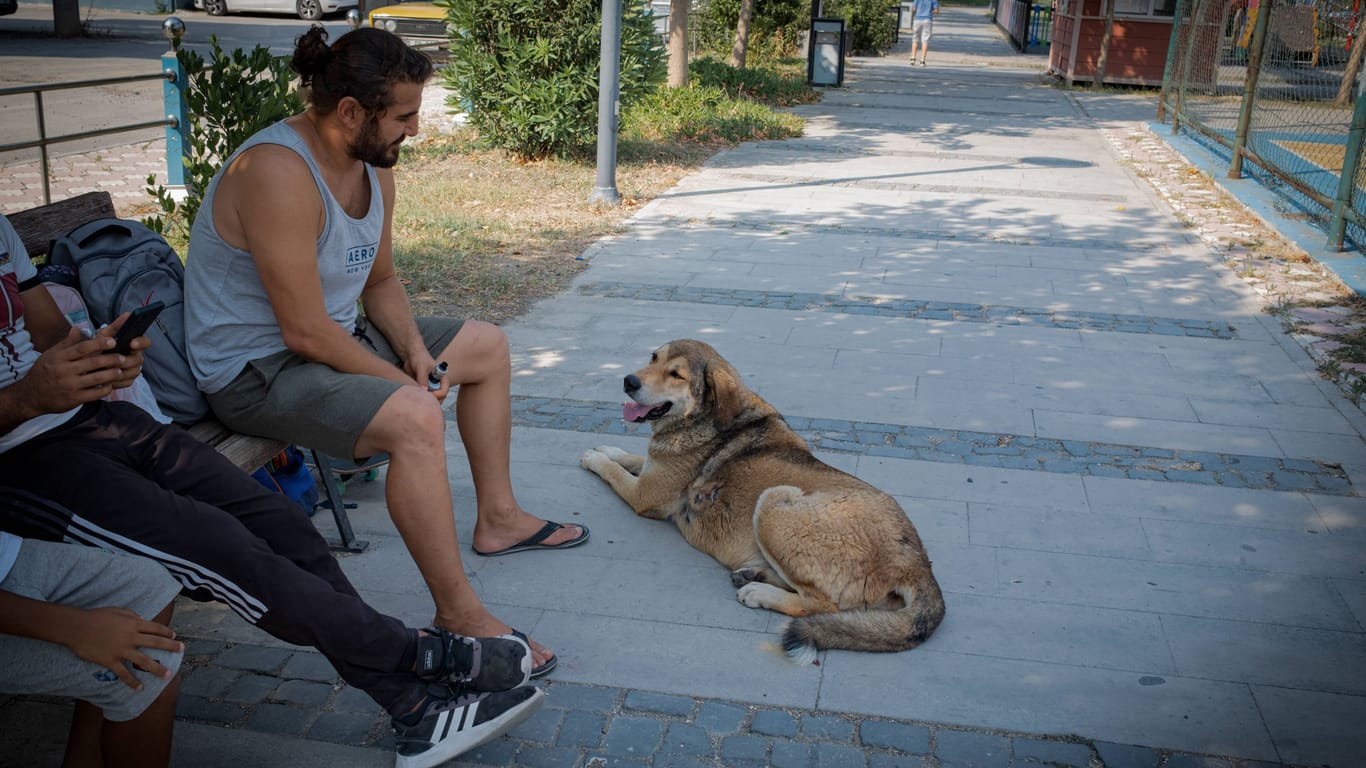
x=534 y=541
x=542 y=669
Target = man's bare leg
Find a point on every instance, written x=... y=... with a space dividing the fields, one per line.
x=482 y=366
x=410 y=427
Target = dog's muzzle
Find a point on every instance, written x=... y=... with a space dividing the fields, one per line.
x=635 y=412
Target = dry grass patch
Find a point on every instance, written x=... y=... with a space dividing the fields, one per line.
x=479 y=234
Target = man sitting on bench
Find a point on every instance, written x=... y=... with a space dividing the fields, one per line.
x=76 y=468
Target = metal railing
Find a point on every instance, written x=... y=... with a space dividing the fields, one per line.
x=1276 y=90
x=176 y=121
x=1027 y=23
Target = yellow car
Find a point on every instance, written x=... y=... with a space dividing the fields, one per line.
x=422 y=25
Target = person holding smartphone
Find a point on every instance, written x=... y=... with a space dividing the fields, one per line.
x=75 y=467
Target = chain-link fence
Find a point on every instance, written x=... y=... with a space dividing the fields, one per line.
x=1274 y=87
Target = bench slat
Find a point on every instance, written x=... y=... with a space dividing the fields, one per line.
x=37 y=227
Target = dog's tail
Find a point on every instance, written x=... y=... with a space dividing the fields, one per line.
x=869 y=630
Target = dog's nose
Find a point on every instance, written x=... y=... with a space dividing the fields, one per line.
x=631 y=383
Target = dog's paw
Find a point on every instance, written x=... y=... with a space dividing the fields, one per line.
x=592 y=459
x=753 y=594
x=612 y=452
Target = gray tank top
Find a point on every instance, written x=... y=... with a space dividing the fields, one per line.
x=228 y=319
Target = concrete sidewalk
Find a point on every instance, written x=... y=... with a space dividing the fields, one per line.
x=1142 y=502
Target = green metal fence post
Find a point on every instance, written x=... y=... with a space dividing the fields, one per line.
x=1185 y=67
x=1351 y=163
x=173 y=93
x=1175 y=43
x=1254 y=71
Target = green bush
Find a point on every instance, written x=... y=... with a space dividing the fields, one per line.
x=229 y=97
x=705 y=114
x=774 y=29
x=527 y=72
x=867 y=20
x=761 y=84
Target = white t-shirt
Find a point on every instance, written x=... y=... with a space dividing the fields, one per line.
x=17 y=353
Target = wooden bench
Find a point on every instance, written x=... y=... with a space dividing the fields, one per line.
x=38 y=227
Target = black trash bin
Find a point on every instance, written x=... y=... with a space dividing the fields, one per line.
x=825 y=53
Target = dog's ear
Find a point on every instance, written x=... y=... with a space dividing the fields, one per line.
x=726 y=396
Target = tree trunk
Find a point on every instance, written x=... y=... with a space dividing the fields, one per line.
x=678 y=43
x=66 y=18
x=1105 y=42
x=741 y=46
x=1349 y=77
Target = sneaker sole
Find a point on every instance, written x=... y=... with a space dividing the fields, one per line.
x=450 y=747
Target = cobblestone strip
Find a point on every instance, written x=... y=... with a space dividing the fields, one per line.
x=988 y=449
x=907 y=186
x=297 y=694
x=914 y=309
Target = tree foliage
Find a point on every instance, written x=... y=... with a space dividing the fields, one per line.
x=527 y=72
x=867 y=20
x=230 y=96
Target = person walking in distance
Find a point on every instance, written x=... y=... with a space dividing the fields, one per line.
x=922 y=26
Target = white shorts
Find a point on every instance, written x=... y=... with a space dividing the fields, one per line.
x=921 y=30
x=85 y=577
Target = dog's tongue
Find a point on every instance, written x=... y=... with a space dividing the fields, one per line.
x=634 y=411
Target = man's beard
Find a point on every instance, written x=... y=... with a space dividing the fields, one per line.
x=369 y=149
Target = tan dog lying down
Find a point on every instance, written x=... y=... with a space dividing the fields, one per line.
x=799 y=536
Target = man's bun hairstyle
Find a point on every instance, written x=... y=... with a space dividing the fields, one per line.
x=364 y=64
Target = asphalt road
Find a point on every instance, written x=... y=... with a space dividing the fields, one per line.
x=116 y=44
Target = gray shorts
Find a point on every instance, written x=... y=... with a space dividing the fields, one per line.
x=84 y=577
x=288 y=398
x=921 y=29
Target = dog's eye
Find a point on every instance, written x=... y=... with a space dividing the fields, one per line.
x=675 y=375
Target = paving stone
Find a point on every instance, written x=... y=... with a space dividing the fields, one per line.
x=743 y=747
x=680 y=761
x=207 y=711
x=1186 y=760
x=682 y=738
x=1035 y=751
x=839 y=756
x=613 y=761
x=790 y=754
x=310 y=666
x=540 y=727
x=642 y=701
x=773 y=722
x=581 y=729
x=826 y=728
x=350 y=699
x=633 y=736
x=720 y=717
x=254 y=658
x=1126 y=756
x=210 y=682
x=594 y=698
x=884 y=760
x=302 y=693
x=898 y=736
x=546 y=757
x=282 y=719
x=251 y=689
x=971 y=749
x=344 y=728
x=496 y=752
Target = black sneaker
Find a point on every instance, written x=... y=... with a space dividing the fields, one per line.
x=477 y=663
x=461 y=723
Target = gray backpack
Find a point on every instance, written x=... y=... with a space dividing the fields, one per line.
x=122 y=265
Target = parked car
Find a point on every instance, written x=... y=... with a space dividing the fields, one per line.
x=8 y=6
x=422 y=25
x=308 y=10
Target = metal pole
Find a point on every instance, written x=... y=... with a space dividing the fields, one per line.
x=177 y=113
x=609 y=89
x=1182 y=6
x=1347 y=182
x=1254 y=70
x=1185 y=66
x=42 y=152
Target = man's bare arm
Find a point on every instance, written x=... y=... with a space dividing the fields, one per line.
x=386 y=300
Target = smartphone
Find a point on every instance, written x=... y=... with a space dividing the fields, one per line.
x=136 y=325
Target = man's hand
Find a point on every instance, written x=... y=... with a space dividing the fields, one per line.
x=420 y=366
x=77 y=370
x=115 y=637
